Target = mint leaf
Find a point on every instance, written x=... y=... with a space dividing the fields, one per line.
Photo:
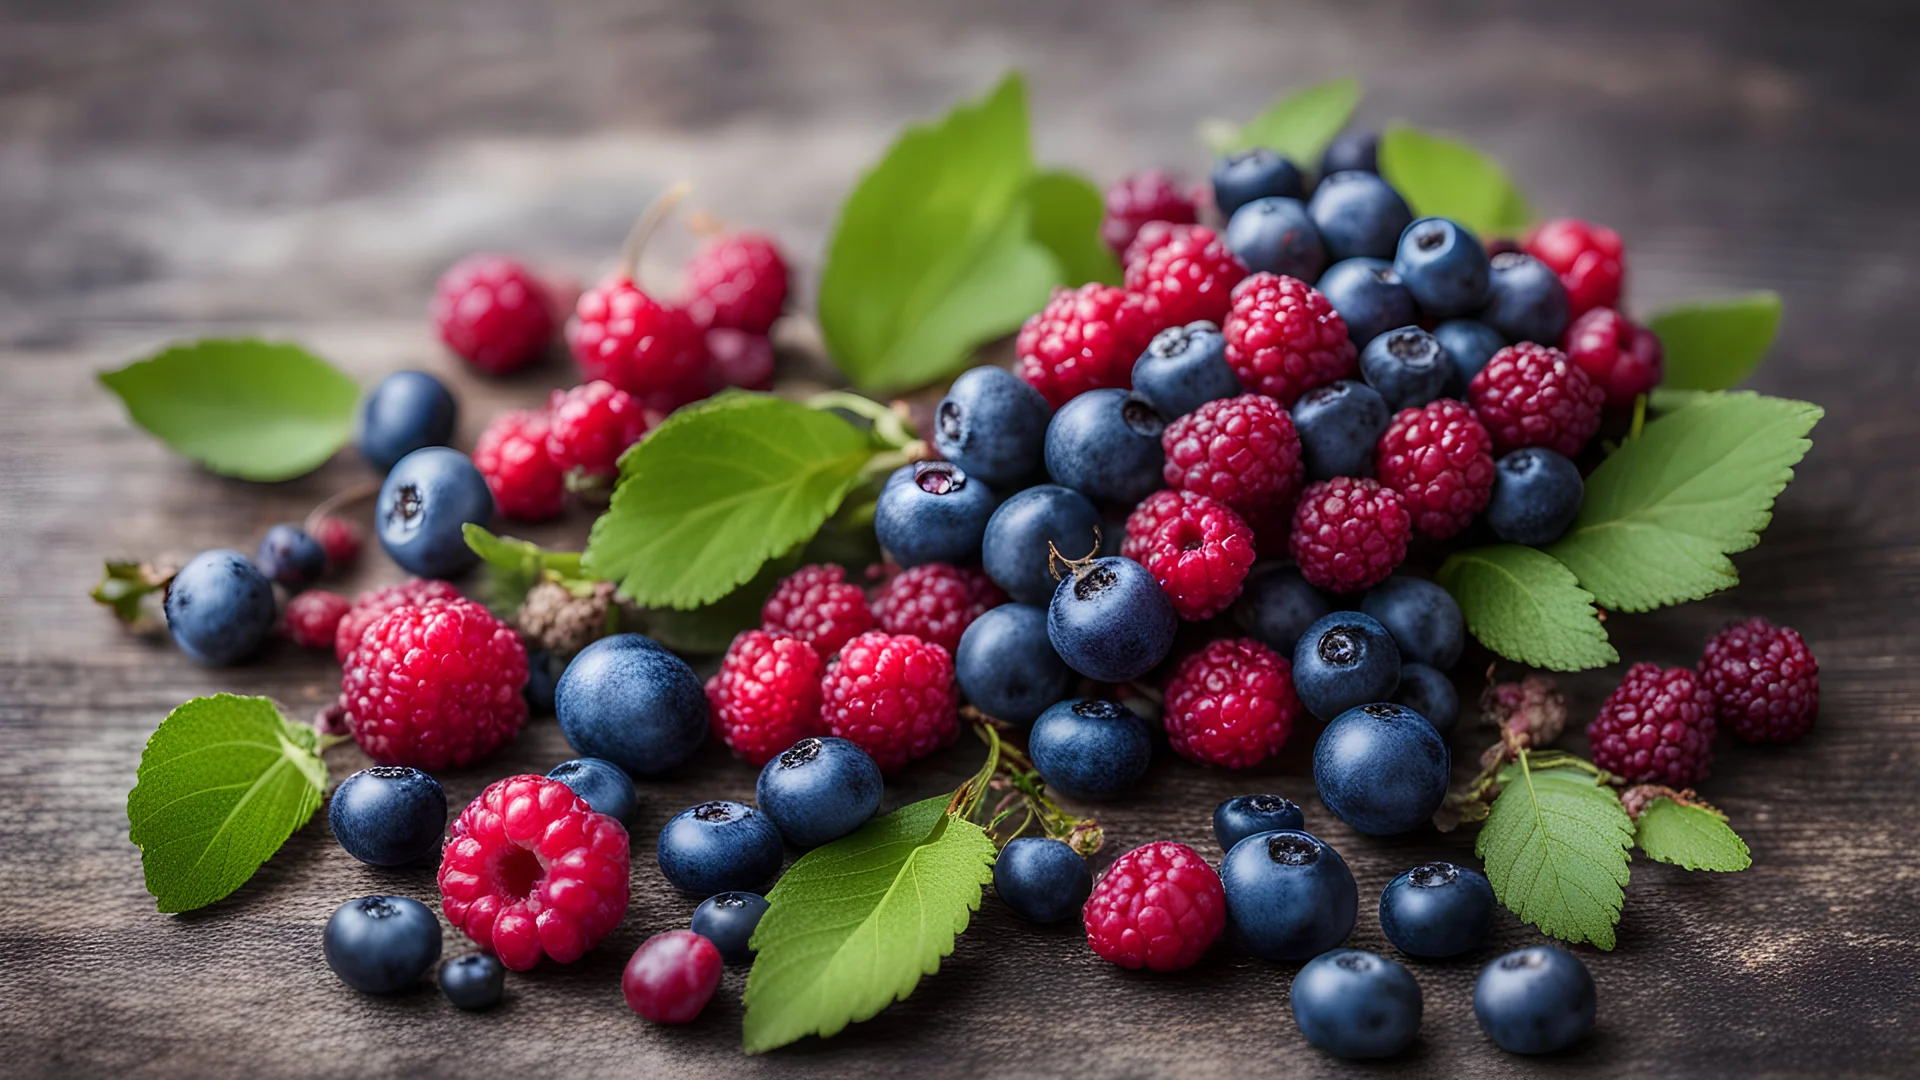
x=514 y=566
x=853 y=925
x=1298 y=126
x=223 y=782
x=716 y=491
x=1525 y=606
x=1693 y=837
x=253 y=409
x=1065 y=211
x=1554 y=846
x=1446 y=178
x=1716 y=344
x=1665 y=510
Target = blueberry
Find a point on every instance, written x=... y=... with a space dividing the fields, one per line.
x=1356 y=1004
x=1239 y=179
x=818 y=790
x=1406 y=367
x=219 y=607
x=1381 y=768
x=993 y=425
x=425 y=505
x=1110 y=621
x=473 y=981
x=1290 y=896
x=407 y=411
x=1339 y=425
x=1369 y=296
x=381 y=944
x=1183 y=368
x=1042 y=880
x=1015 y=547
x=1342 y=660
x=1352 y=151
x=932 y=511
x=627 y=699
x=1277 y=605
x=1006 y=666
x=1090 y=749
x=605 y=786
x=1469 y=344
x=388 y=815
x=1359 y=215
x=1525 y=300
x=720 y=846
x=1277 y=236
x=1444 y=266
x=291 y=557
x=1536 y=495
x=1535 y=1001
x=1243 y=815
x=1422 y=617
x=1437 y=909
x=543 y=672
x=728 y=920
x=1105 y=444
x=1429 y=693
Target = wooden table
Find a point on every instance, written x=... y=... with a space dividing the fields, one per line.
x=303 y=171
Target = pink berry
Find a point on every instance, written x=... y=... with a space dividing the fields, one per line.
x=893 y=696
x=819 y=606
x=1231 y=704
x=493 y=313
x=512 y=455
x=649 y=349
x=590 y=426
x=766 y=695
x=435 y=686
x=313 y=617
x=1159 y=907
x=672 y=976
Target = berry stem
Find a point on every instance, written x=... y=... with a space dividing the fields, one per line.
x=1639 y=417
x=1010 y=770
x=889 y=426
x=338 y=499
x=650 y=220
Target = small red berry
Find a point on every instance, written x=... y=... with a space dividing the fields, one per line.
x=1656 y=727
x=1231 y=704
x=1284 y=338
x=649 y=349
x=493 y=313
x=1159 y=906
x=1764 y=681
x=1586 y=256
x=1138 y=199
x=1199 y=551
x=1348 y=534
x=339 y=538
x=1083 y=339
x=313 y=617
x=893 y=696
x=1623 y=359
x=512 y=455
x=1183 y=275
x=1439 y=458
x=935 y=602
x=736 y=358
x=590 y=426
x=1532 y=395
x=370 y=605
x=766 y=695
x=1242 y=450
x=435 y=686
x=737 y=281
x=817 y=605
x=672 y=976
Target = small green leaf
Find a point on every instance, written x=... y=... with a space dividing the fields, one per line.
x=710 y=629
x=1554 y=846
x=1692 y=837
x=1065 y=211
x=855 y=924
x=1716 y=344
x=1298 y=126
x=1442 y=177
x=1665 y=510
x=514 y=566
x=223 y=782
x=1666 y=399
x=128 y=585
x=1525 y=606
x=252 y=409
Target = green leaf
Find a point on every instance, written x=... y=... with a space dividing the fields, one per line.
x=1693 y=837
x=1665 y=510
x=252 y=409
x=853 y=925
x=1298 y=126
x=710 y=629
x=223 y=782
x=1442 y=177
x=1525 y=606
x=514 y=566
x=716 y=491
x=1716 y=344
x=1554 y=846
x=126 y=588
x=1666 y=399
x=1065 y=211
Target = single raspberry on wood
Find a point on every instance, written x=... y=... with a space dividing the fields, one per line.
x=313 y=617
x=1349 y=534
x=1231 y=704
x=1138 y=199
x=1656 y=727
x=1623 y=359
x=339 y=538
x=1439 y=458
x=1243 y=451
x=493 y=313
x=1197 y=548
x=737 y=282
x=892 y=695
x=590 y=426
x=817 y=605
x=766 y=695
x=1183 y=276
x=1083 y=339
x=935 y=602
x=370 y=605
x=649 y=349
x=1532 y=395
x=1764 y=681
x=1159 y=907
x=1589 y=259
x=1284 y=338
x=512 y=455
x=435 y=686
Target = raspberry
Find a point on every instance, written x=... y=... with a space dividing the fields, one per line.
x=1284 y=338
x=339 y=538
x=1587 y=258
x=530 y=869
x=1083 y=339
x=1348 y=534
x=766 y=695
x=493 y=313
x=313 y=617
x=1656 y=727
x=1624 y=359
x=1195 y=547
x=737 y=358
x=649 y=349
x=935 y=602
x=512 y=455
x=1184 y=277
x=1764 y=683
x=893 y=696
x=1243 y=451
x=369 y=606
x=1138 y=199
x=1439 y=459
x=1153 y=511
x=817 y=605
x=1530 y=395
x=672 y=976
x=590 y=426
x=1231 y=704
x=737 y=282
x=435 y=686
x=1158 y=906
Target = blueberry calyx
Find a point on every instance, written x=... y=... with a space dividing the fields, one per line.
x=408 y=507
x=1526 y=958
x=378 y=907
x=1429 y=235
x=1381 y=712
x=1175 y=340
x=718 y=810
x=1506 y=259
x=1096 y=710
x=1340 y=645
x=1354 y=960
x=801 y=752
x=1093 y=581
x=950 y=419
x=1265 y=804
x=938 y=477
x=1410 y=344
x=1293 y=850
x=1143 y=418
x=728 y=900
x=1433 y=875
x=390 y=772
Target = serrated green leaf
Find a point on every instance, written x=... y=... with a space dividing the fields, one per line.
x=1443 y=177
x=253 y=409
x=1666 y=399
x=513 y=566
x=716 y=491
x=1065 y=211
x=1525 y=606
x=223 y=782
x=710 y=629
x=1665 y=510
x=1716 y=344
x=1554 y=847
x=1298 y=126
x=1692 y=837
x=854 y=925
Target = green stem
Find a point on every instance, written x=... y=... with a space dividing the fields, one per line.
x=889 y=426
x=1639 y=417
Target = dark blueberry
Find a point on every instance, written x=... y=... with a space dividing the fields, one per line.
x=381 y=944
x=1026 y=530
x=1444 y=266
x=1089 y=749
x=1277 y=605
x=543 y=674
x=1290 y=896
x=1437 y=909
x=1422 y=617
x=720 y=846
x=1340 y=424
x=1243 y=815
x=1406 y=367
x=1469 y=344
x=1535 y=1001
x=1359 y=215
x=605 y=786
x=1183 y=368
x=1041 y=879
x=1110 y=620
x=407 y=411
x=1355 y=1004
x=219 y=607
x=1429 y=693
x=818 y=790
x=388 y=815
x=1352 y=151
x=1105 y=444
x=291 y=557
x=425 y=505
x=627 y=699
x=728 y=920
x=473 y=981
x=1381 y=768
x=933 y=511
x=1537 y=493
x=1369 y=296
x=1525 y=300
x=1239 y=179
x=1006 y=666
x=1277 y=236
x=993 y=425
x=1342 y=660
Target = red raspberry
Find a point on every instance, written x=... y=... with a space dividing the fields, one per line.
x=1231 y=704
x=1531 y=395
x=590 y=426
x=1439 y=459
x=493 y=313
x=369 y=606
x=766 y=695
x=1138 y=199
x=1195 y=547
x=738 y=359
x=737 y=281
x=512 y=455
x=1348 y=534
x=1624 y=359
x=1152 y=512
x=1284 y=338
x=672 y=976
x=435 y=686
x=1243 y=451
x=530 y=869
x=935 y=602
x=313 y=617
x=1084 y=339
x=817 y=605
x=1656 y=727
x=649 y=349
x=339 y=538
x=1184 y=278
x=1764 y=682
x=1586 y=256
x=1158 y=906
x=893 y=696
